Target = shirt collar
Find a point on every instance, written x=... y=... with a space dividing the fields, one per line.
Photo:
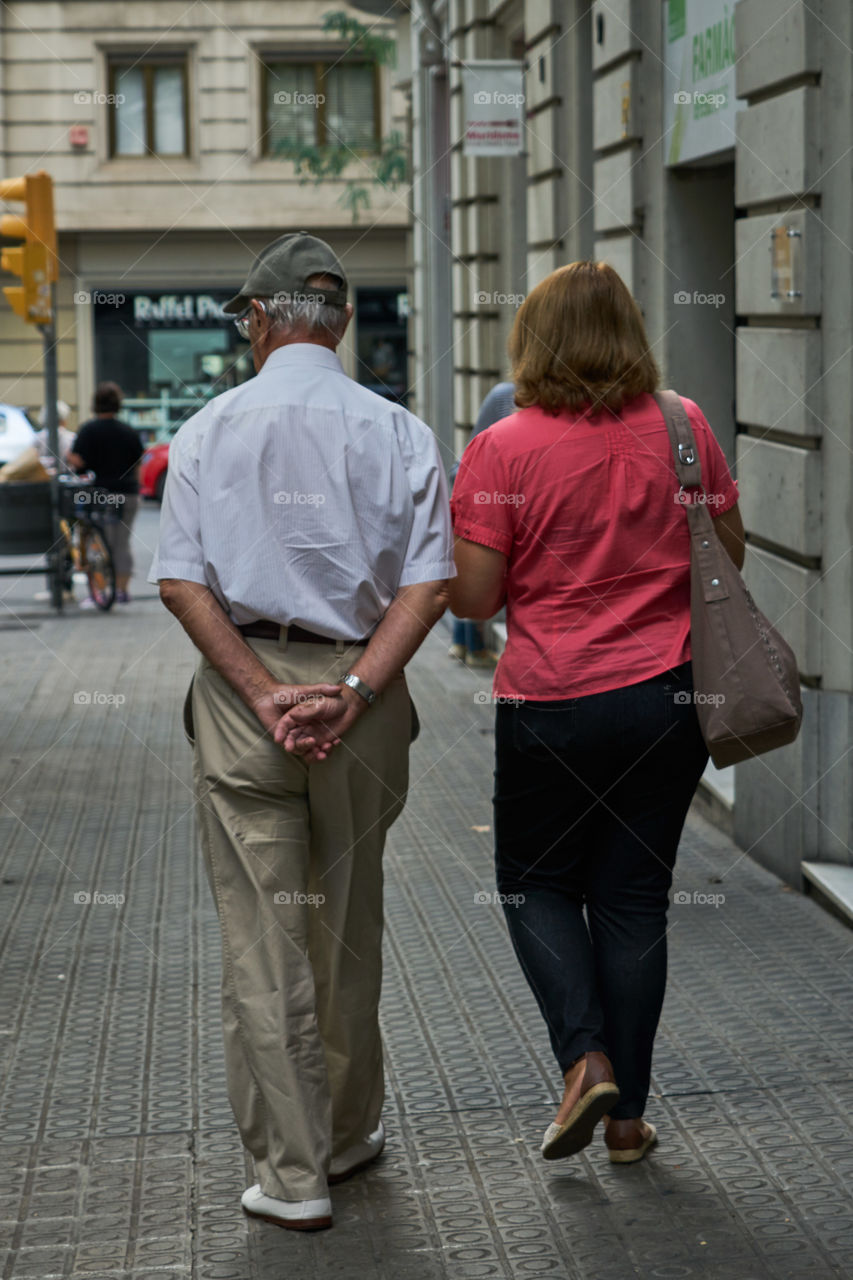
x=302 y=353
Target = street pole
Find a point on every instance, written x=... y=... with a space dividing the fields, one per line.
x=56 y=557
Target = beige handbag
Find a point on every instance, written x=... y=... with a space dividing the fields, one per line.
x=745 y=677
x=25 y=469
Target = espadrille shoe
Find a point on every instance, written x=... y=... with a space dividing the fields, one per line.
x=598 y=1093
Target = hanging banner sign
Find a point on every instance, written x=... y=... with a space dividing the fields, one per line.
x=493 y=108
x=699 y=79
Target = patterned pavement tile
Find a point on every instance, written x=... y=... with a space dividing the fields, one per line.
x=118 y=1153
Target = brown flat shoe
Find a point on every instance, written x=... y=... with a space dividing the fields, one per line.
x=630 y=1154
x=599 y=1092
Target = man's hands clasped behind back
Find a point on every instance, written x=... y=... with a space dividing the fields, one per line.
x=313 y=726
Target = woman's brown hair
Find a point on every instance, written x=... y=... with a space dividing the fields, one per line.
x=579 y=341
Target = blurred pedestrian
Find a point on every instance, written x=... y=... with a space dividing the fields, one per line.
x=469 y=644
x=53 y=464
x=113 y=451
x=304 y=546
x=50 y=463
x=598 y=747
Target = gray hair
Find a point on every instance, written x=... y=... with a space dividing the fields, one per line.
x=63 y=413
x=307 y=312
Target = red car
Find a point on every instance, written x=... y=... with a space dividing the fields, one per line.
x=152 y=471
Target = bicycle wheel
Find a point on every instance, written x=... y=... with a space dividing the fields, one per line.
x=97 y=563
x=66 y=554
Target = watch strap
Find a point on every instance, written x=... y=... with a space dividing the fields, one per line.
x=360 y=686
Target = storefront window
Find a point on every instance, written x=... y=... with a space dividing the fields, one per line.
x=170 y=353
x=382 y=341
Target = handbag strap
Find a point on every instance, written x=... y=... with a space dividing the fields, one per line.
x=710 y=554
x=688 y=468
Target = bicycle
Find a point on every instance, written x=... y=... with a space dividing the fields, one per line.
x=84 y=513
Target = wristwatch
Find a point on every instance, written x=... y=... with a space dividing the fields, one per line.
x=359 y=686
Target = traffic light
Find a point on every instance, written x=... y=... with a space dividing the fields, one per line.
x=35 y=260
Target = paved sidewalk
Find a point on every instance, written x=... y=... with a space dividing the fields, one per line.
x=118 y=1152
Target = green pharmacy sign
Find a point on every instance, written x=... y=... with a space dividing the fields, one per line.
x=699 y=79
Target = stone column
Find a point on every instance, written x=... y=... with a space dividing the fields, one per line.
x=794 y=363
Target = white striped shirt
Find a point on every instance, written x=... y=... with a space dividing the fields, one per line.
x=305 y=498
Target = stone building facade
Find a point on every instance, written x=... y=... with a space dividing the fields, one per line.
x=704 y=150
x=160 y=124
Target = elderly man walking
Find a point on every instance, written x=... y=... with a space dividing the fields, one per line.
x=304 y=546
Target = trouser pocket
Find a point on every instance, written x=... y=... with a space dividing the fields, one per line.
x=187 y=715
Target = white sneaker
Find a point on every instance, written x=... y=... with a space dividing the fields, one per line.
x=298 y=1215
x=357 y=1157
x=44 y=596
x=482 y=658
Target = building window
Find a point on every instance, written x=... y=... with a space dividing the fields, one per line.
x=320 y=104
x=148 y=107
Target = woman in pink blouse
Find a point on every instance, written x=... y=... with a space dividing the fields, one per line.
x=567 y=512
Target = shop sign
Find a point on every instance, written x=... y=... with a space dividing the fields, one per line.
x=187 y=309
x=699 y=78
x=493 y=108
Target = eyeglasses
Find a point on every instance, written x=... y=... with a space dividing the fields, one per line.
x=241 y=323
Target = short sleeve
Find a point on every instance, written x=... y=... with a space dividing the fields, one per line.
x=720 y=489
x=483 y=504
x=429 y=554
x=179 y=551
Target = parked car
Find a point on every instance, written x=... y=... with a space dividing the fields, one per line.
x=152 y=471
x=16 y=432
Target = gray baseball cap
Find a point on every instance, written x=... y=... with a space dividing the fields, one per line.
x=285 y=267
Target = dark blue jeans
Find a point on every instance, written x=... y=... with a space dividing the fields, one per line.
x=590 y=800
x=468 y=633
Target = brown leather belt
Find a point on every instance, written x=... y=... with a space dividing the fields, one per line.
x=264 y=629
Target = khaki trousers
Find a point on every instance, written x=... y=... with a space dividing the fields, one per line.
x=294 y=859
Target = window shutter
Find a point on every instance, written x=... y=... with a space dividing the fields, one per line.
x=291 y=107
x=350 y=105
